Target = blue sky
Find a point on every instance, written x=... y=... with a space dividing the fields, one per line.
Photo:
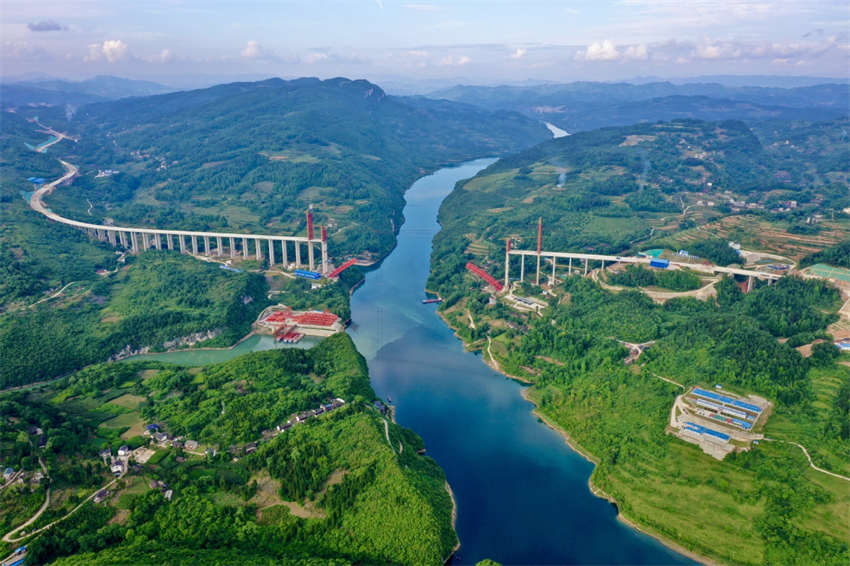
x=470 y=41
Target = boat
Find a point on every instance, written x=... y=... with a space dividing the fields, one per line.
x=429 y=301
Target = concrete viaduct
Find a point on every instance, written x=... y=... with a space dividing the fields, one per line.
x=212 y=244
x=586 y=258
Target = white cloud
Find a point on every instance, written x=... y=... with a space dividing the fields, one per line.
x=599 y=51
x=519 y=53
x=638 y=52
x=113 y=50
x=252 y=50
x=454 y=60
x=315 y=57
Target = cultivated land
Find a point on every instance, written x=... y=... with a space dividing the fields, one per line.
x=606 y=364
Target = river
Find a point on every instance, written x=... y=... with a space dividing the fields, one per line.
x=522 y=493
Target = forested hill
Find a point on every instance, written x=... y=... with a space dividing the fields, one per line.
x=584 y=106
x=614 y=189
x=253 y=156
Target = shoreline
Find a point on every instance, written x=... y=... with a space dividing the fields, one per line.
x=454 y=522
x=598 y=492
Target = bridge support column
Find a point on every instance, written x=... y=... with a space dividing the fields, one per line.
x=257 y=250
x=232 y=247
x=146 y=241
x=111 y=235
x=182 y=240
x=522 y=268
x=538 y=270
x=297 y=253
x=169 y=241
x=283 y=245
x=123 y=237
x=571 y=266
x=219 y=249
x=507 y=270
x=324 y=257
x=585 y=266
x=158 y=239
x=310 y=257
x=207 y=246
x=244 y=248
x=271 y=252
x=134 y=242
x=749 y=283
x=769 y=281
x=194 y=245
x=554 y=266
x=603 y=265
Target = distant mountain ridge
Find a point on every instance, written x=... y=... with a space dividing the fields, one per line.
x=59 y=92
x=589 y=105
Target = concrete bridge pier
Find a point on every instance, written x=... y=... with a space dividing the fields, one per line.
x=207 y=246
x=324 y=257
x=554 y=266
x=310 y=258
x=169 y=242
x=271 y=252
x=181 y=239
x=283 y=245
x=297 y=253
x=123 y=237
x=134 y=242
x=585 y=265
x=257 y=249
x=244 y=248
x=219 y=248
x=571 y=266
x=194 y=245
x=111 y=235
x=749 y=283
x=158 y=239
x=538 y=270
x=146 y=242
x=232 y=247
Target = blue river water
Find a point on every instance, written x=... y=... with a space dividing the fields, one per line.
x=522 y=493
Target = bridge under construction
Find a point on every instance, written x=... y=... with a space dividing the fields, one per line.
x=583 y=260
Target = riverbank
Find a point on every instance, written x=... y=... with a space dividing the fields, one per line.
x=454 y=522
x=599 y=492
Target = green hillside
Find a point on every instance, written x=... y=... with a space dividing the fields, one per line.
x=342 y=487
x=253 y=156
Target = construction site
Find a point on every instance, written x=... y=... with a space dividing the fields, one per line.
x=290 y=326
x=717 y=421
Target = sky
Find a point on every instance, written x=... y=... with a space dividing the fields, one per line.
x=472 y=41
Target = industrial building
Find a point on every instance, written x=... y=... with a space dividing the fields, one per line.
x=717 y=421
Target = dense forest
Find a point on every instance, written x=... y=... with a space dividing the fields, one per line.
x=253 y=156
x=331 y=490
x=154 y=298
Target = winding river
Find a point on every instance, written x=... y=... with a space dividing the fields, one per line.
x=522 y=493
